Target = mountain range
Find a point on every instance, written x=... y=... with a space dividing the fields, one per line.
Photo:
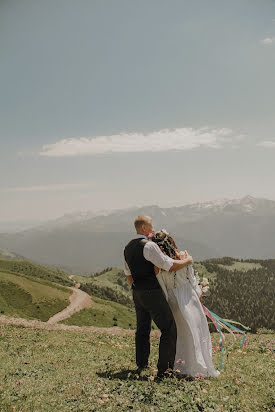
x=84 y=242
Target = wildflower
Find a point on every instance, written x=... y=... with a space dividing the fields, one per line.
x=205 y=289
x=19 y=383
x=199 y=377
x=205 y=282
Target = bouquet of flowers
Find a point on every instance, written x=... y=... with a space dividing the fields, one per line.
x=203 y=284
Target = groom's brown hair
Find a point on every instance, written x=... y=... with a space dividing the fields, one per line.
x=142 y=220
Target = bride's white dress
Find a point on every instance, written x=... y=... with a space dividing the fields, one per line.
x=194 y=345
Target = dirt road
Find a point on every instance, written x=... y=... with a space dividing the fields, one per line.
x=78 y=300
x=38 y=325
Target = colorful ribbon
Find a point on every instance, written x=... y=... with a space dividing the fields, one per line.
x=220 y=324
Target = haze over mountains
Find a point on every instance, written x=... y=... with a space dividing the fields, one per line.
x=83 y=242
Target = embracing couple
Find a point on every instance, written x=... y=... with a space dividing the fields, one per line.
x=166 y=291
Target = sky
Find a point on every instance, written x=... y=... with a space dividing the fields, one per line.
x=111 y=104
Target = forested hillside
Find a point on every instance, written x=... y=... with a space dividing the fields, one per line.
x=240 y=290
x=243 y=295
x=110 y=284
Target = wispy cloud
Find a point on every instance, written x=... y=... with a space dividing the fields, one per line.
x=267 y=143
x=157 y=141
x=268 y=40
x=50 y=188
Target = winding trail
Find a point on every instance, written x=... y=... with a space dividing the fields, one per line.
x=78 y=301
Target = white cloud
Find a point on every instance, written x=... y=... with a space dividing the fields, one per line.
x=157 y=141
x=268 y=40
x=49 y=188
x=266 y=143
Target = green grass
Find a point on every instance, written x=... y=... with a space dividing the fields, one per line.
x=7 y=254
x=78 y=371
x=38 y=271
x=243 y=266
x=108 y=279
x=104 y=313
x=203 y=272
x=31 y=298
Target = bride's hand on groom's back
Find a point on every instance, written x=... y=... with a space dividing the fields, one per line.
x=184 y=254
x=188 y=256
x=179 y=255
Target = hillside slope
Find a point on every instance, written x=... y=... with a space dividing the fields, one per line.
x=29 y=297
x=30 y=291
x=241 y=290
x=26 y=267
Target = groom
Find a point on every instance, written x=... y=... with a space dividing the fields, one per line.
x=140 y=257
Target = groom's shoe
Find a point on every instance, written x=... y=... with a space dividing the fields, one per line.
x=160 y=376
x=141 y=368
x=169 y=373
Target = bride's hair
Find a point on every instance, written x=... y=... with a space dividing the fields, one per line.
x=166 y=243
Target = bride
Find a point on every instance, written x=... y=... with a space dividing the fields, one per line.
x=194 y=347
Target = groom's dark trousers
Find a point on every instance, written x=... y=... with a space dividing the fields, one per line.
x=150 y=304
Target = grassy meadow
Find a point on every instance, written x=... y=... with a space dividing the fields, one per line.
x=87 y=370
x=58 y=370
x=104 y=313
x=31 y=298
x=28 y=268
x=241 y=266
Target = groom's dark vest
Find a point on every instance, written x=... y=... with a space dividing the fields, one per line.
x=142 y=270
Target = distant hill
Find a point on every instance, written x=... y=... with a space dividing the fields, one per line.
x=9 y=255
x=30 y=297
x=242 y=228
x=28 y=268
x=110 y=284
x=240 y=290
x=34 y=291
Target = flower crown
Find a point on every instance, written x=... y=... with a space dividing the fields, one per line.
x=162 y=230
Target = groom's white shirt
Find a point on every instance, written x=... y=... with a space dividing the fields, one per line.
x=152 y=252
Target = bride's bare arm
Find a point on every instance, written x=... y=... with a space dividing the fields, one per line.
x=180 y=264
